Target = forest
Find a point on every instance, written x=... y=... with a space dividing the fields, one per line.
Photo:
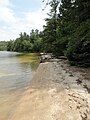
x=3 y=45
x=67 y=32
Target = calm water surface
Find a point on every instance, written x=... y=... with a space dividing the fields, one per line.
x=16 y=72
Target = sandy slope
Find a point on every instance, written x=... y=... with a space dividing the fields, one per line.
x=57 y=92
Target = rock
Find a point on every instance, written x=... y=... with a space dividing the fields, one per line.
x=45 y=58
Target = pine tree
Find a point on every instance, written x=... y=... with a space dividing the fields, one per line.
x=50 y=34
x=78 y=51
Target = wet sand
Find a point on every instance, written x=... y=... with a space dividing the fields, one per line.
x=57 y=92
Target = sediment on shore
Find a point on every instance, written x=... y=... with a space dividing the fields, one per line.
x=57 y=92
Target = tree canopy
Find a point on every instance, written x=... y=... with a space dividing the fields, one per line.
x=67 y=32
x=26 y=43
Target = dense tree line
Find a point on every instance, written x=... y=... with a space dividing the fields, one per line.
x=67 y=32
x=3 y=45
x=26 y=43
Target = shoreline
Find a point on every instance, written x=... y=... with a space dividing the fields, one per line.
x=57 y=92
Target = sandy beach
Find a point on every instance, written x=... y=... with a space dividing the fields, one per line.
x=57 y=92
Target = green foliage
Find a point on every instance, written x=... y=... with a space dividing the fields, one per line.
x=26 y=43
x=67 y=32
x=50 y=30
x=78 y=51
x=3 y=45
x=10 y=45
x=49 y=35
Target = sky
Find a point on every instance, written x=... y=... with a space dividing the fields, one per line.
x=18 y=16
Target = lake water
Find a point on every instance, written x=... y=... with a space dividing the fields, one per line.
x=16 y=72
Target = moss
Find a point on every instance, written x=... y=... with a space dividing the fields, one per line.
x=32 y=58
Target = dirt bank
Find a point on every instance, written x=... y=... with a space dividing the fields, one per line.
x=57 y=92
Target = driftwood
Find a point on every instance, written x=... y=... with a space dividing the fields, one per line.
x=45 y=58
x=48 y=57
